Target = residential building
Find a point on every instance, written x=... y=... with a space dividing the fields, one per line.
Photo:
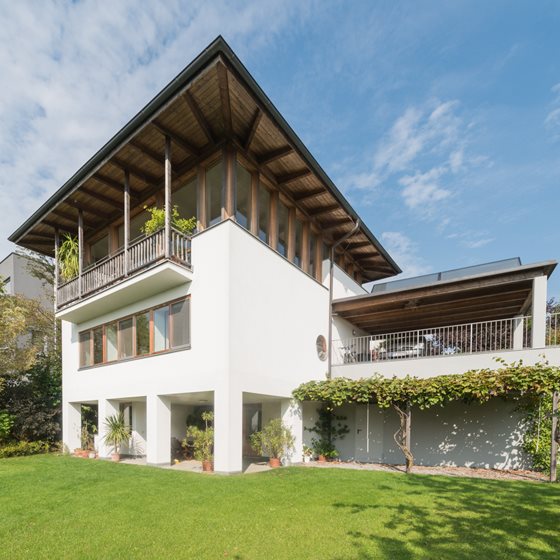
x=236 y=314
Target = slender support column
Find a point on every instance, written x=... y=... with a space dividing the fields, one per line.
x=126 y=220
x=56 y=270
x=518 y=330
x=228 y=207
x=273 y=225
x=539 y=312
x=554 y=442
x=105 y=409
x=254 y=204
x=305 y=248
x=319 y=259
x=167 y=197
x=80 y=250
x=292 y=418
x=228 y=431
x=201 y=186
x=291 y=253
x=158 y=432
x=71 y=426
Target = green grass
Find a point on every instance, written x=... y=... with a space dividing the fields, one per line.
x=63 y=507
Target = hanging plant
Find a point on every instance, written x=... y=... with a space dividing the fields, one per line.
x=68 y=257
x=157 y=221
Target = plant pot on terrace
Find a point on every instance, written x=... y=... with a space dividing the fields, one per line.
x=207 y=466
x=202 y=441
x=273 y=441
x=117 y=432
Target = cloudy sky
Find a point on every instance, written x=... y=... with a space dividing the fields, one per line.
x=439 y=120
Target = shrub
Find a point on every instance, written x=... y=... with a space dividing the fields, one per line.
x=203 y=439
x=274 y=440
x=6 y=423
x=22 y=448
x=157 y=221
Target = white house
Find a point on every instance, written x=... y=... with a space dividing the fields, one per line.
x=265 y=295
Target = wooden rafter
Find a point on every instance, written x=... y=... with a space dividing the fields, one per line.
x=310 y=195
x=147 y=152
x=223 y=84
x=253 y=129
x=199 y=117
x=294 y=176
x=177 y=138
x=274 y=155
x=101 y=197
x=74 y=204
x=134 y=170
x=325 y=210
x=336 y=224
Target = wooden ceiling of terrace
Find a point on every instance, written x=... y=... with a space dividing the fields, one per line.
x=216 y=107
x=493 y=297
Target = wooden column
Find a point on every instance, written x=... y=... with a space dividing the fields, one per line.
x=291 y=253
x=319 y=259
x=305 y=248
x=56 y=268
x=201 y=186
x=126 y=224
x=80 y=249
x=273 y=225
x=167 y=203
x=228 y=206
x=254 y=204
x=554 y=442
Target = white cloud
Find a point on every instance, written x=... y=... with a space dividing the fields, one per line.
x=422 y=191
x=74 y=73
x=406 y=254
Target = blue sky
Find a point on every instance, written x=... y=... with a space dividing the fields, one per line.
x=440 y=121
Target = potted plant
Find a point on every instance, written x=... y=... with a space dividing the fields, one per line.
x=156 y=221
x=307 y=453
x=68 y=257
x=329 y=427
x=273 y=441
x=117 y=432
x=203 y=441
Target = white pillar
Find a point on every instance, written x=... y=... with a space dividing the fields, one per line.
x=228 y=431
x=539 y=312
x=292 y=418
x=158 y=430
x=518 y=331
x=105 y=409
x=72 y=426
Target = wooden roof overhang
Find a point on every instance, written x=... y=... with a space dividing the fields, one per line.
x=213 y=102
x=486 y=297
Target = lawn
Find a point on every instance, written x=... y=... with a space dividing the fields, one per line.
x=64 y=507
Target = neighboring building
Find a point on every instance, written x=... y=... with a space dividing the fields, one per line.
x=236 y=316
x=16 y=278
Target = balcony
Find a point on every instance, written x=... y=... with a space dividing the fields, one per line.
x=142 y=254
x=514 y=333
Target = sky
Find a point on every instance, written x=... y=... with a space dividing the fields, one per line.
x=439 y=121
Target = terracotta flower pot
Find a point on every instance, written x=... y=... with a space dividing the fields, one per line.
x=322 y=459
x=115 y=457
x=274 y=462
x=207 y=466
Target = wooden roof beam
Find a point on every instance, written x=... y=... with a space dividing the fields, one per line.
x=336 y=224
x=152 y=155
x=177 y=138
x=324 y=211
x=310 y=195
x=253 y=129
x=291 y=177
x=148 y=178
x=102 y=198
x=199 y=117
x=274 y=155
x=109 y=182
x=223 y=84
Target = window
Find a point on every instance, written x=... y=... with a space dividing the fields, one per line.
x=186 y=200
x=100 y=249
x=98 y=345
x=161 y=329
x=299 y=244
x=111 y=342
x=214 y=182
x=85 y=349
x=125 y=339
x=152 y=331
x=135 y=224
x=283 y=219
x=180 y=328
x=264 y=213
x=243 y=201
x=142 y=334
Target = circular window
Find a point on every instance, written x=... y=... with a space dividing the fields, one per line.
x=321 y=344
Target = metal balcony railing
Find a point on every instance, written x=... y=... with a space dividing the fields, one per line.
x=142 y=253
x=488 y=336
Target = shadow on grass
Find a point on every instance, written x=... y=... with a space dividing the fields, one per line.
x=459 y=519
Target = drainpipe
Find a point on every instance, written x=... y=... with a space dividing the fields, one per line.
x=331 y=282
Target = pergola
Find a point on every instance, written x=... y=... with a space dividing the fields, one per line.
x=213 y=105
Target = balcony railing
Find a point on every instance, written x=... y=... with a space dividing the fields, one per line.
x=142 y=253
x=487 y=336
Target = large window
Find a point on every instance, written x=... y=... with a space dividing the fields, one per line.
x=161 y=329
x=243 y=202
x=264 y=213
x=283 y=220
x=136 y=224
x=186 y=200
x=99 y=250
x=214 y=182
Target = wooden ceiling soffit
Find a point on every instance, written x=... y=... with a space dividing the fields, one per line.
x=177 y=138
x=101 y=197
x=147 y=152
x=119 y=187
x=310 y=195
x=223 y=84
x=291 y=177
x=199 y=117
x=148 y=178
x=274 y=155
x=324 y=211
x=86 y=210
x=253 y=129
x=329 y=227
x=358 y=245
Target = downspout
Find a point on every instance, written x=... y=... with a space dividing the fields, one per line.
x=331 y=282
